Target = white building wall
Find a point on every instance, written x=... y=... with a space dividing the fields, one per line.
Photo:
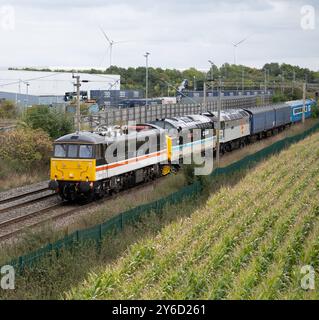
x=53 y=83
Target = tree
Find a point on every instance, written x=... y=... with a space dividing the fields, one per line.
x=56 y=124
x=23 y=149
x=8 y=110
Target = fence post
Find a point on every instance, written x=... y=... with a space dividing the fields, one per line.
x=20 y=263
x=98 y=241
x=100 y=232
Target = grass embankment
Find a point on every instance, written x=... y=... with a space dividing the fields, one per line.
x=11 y=178
x=249 y=241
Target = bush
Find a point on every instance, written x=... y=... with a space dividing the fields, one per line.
x=279 y=97
x=190 y=177
x=56 y=124
x=24 y=149
x=315 y=110
x=84 y=109
x=7 y=110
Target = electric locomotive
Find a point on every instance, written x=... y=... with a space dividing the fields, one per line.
x=90 y=165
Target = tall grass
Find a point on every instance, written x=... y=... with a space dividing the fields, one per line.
x=245 y=242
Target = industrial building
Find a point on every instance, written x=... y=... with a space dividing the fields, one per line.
x=40 y=87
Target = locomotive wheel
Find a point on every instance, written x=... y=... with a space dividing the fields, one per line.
x=68 y=193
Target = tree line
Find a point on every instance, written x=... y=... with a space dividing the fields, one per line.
x=164 y=82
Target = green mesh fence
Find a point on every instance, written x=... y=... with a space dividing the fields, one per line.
x=116 y=224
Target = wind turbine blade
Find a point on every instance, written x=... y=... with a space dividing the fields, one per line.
x=118 y=42
x=240 y=42
x=106 y=37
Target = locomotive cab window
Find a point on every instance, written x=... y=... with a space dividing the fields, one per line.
x=60 y=150
x=73 y=151
x=298 y=111
x=86 y=152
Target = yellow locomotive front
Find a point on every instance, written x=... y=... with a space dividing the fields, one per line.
x=72 y=169
x=73 y=165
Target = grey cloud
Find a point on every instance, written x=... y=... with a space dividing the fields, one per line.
x=178 y=33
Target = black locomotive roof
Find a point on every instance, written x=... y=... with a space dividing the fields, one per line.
x=81 y=137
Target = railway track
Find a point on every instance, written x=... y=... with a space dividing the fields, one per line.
x=28 y=216
x=48 y=217
x=25 y=203
x=21 y=196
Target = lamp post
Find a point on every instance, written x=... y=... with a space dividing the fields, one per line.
x=27 y=84
x=212 y=74
x=78 y=106
x=265 y=90
x=304 y=102
x=243 y=80
x=146 y=87
x=219 y=105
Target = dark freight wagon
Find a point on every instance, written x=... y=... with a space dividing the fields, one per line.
x=261 y=119
x=283 y=113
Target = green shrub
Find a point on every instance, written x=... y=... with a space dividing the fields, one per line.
x=190 y=177
x=56 y=124
x=315 y=111
x=279 y=97
x=24 y=149
x=7 y=110
x=84 y=109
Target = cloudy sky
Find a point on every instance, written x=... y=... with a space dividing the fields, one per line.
x=178 y=33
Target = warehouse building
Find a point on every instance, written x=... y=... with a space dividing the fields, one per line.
x=39 y=87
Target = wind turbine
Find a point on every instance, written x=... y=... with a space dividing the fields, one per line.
x=235 y=45
x=111 y=44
